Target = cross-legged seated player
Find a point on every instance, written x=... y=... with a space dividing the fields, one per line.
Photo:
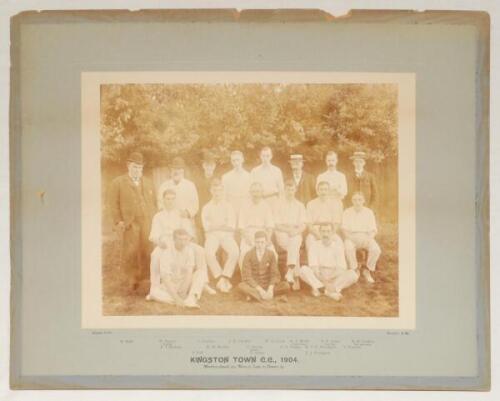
x=178 y=280
x=290 y=221
x=255 y=215
x=260 y=275
x=327 y=266
x=360 y=228
x=219 y=222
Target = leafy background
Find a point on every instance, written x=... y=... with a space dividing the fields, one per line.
x=164 y=121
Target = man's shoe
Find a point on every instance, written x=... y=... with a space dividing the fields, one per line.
x=190 y=302
x=228 y=284
x=282 y=298
x=209 y=290
x=336 y=296
x=368 y=277
x=220 y=284
x=296 y=284
x=315 y=292
x=224 y=285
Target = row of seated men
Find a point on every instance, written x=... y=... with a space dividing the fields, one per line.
x=179 y=273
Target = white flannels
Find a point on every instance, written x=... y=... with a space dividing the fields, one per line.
x=270 y=177
x=362 y=221
x=236 y=187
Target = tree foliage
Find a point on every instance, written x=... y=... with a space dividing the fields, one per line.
x=164 y=121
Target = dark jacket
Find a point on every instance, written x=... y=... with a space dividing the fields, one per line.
x=366 y=185
x=306 y=190
x=203 y=185
x=130 y=203
x=263 y=273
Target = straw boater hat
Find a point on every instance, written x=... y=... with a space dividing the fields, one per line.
x=296 y=157
x=136 y=157
x=359 y=155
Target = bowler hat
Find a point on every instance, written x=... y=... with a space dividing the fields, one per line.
x=296 y=157
x=178 y=162
x=136 y=157
x=358 y=155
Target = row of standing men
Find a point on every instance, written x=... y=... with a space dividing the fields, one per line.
x=242 y=207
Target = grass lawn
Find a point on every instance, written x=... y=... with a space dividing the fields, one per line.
x=378 y=300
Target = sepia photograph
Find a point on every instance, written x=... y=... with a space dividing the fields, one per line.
x=250 y=199
x=200 y=199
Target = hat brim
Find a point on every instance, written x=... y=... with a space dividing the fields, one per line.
x=141 y=163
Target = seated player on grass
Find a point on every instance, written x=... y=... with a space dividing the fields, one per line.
x=320 y=211
x=260 y=275
x=165 y=222
x=327 y=266
x=178 y=281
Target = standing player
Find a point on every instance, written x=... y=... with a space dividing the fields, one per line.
x=132 y=205
x=337 y=181
x=236 y=182
x=361 y=180
x=268 y=175
x=305 y=182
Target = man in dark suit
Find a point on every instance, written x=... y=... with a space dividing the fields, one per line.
x=203 y=180
x=259 y=273
x=305 y=182
x=362 y=181
x=132 y=205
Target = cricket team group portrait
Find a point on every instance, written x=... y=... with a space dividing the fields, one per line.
x=256 y=199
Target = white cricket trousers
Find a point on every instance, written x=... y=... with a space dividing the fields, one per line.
x=213 y=242
x=154 y=268
x=362 y=241
x=292 y=246
x=160 y=293
x=334 y=280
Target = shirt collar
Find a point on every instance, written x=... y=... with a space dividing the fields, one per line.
x=135 y=180
x=259 y=254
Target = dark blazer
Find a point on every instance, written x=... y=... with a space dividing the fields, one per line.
x=306 y=190
x=203 y=186
x=263 y=273
x=365 y=184
x=128 y=202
